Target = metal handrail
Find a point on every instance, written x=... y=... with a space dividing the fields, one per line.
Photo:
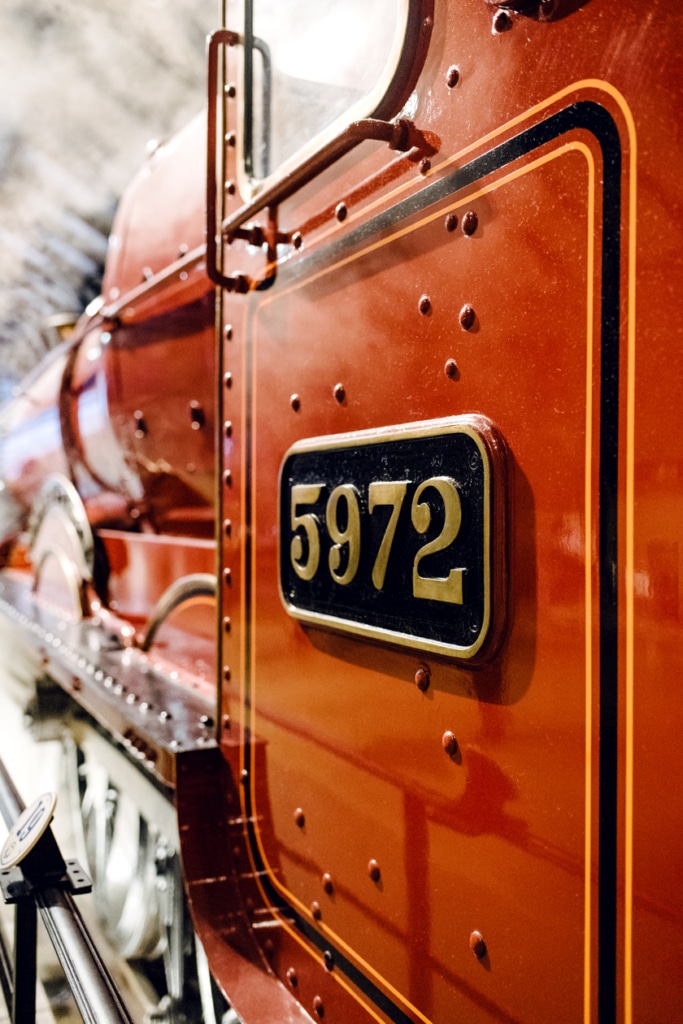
x=93 y=988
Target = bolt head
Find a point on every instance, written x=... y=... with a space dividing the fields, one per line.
x=449 y=743
x=425 y=305
x=374 y=870
x=466 y=318
x=328 y=884
x=299 y=817
x=422 y=679
x=470 y=222
x=502 y=21
x=452 y=76
x=478 y=945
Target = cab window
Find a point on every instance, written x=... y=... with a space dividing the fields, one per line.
x=310 y=67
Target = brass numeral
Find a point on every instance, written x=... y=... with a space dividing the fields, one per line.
x=305 y=494
x=343 y=523
x=389 y=492
x=448 y=588
x=349 y=536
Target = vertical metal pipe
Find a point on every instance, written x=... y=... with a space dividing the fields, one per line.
x=25 y=971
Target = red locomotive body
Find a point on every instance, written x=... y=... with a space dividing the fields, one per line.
x=442 y=244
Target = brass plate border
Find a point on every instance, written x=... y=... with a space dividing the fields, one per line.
x=490 y=447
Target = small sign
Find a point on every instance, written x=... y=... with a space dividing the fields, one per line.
x=27 y=830
x=387 y=534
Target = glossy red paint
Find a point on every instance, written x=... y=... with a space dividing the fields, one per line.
x=389 y=831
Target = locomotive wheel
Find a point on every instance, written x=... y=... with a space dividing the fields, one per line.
x=127 y=833
x=62 y=546
x=129 y=864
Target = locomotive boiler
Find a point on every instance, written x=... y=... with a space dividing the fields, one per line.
x=348 y=523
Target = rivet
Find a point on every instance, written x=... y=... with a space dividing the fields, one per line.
x=425 y=166
x=328 y=959
x=147 y=272
x=425 y=305
x=318 y=1006
x=297 y=240
x=451 y=221
x=227 y=478
x=244 y=776
x=340 y=212
x=451 y=369
x=225 y=721
x=449 y=743
x=227 y=428
x=501 y=21
x=227 y=380
x=291 y=977
x=295 y=402
x=470 y=222
x=227 y=332
x=452 y=76
x=227 y=674
x=466 y=317
x=230 y=188
x=231 y=90
x=339 y=392
x=227 y=527
x=206 y=721
x=328 y=884
x=315 y=910
x=227 y=577
x=422 y=679
x=478 y=945
x=299 y=817
x=231 y=138
x=227 y=624
x=374 y=870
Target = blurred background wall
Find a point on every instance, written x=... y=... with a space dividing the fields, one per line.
x=85 y=87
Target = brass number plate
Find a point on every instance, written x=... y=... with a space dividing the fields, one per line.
x=388 y=534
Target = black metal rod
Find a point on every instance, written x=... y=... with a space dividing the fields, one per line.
x=6 y=971
x=25 y=970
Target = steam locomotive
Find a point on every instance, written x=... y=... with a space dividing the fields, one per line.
x=348 y=523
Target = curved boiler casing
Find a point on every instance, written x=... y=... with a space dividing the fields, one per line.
x=125 y=408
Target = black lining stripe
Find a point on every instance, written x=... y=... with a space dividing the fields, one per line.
x=592 y=117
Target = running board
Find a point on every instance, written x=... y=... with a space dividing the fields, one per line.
x=150 y=707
